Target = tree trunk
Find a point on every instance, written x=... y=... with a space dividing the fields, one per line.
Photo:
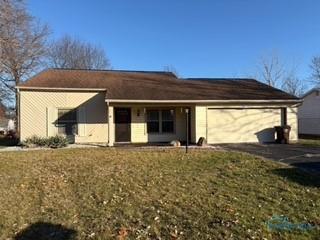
x=17 y=97
x=17 y=114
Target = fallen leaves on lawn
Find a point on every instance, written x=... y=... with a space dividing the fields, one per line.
x=123 y=233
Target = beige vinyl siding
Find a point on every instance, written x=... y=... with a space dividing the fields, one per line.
x=139 y=126
x=242 y=125
x=193 y=127
x=292 y=120
x=111 y=129
x=252 y=123
x=38 y=112
x=200 y=122
x=309 y=115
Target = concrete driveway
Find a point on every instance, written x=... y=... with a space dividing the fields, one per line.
x=304 y=157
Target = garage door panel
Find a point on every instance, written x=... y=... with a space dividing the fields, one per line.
x=242 y=125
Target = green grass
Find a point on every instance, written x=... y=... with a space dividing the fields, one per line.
x=142 y=194
x=310 y=142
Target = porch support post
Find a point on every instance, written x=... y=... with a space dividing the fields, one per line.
x=110 y=126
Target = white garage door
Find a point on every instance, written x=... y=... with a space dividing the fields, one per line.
x=242 y=125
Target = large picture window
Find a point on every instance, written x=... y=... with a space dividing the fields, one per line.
x=167 y=121
x=67 y=122
x=153 y=121
x=160 y=121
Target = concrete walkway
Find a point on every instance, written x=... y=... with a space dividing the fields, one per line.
x=122 y=146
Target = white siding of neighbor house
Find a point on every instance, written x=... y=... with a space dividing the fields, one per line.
x=309 y=115
x=38 y=111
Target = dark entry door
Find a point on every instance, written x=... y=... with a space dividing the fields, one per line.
x=122 y=124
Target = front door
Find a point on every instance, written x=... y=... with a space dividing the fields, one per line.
x=122 y=124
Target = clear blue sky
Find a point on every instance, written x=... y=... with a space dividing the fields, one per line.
x=206 y=38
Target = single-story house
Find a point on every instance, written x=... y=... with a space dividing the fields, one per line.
x=309 y=113
x=113 y=106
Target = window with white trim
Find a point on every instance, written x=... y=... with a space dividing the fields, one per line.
x=167 y=123
x=153 y=120
x=67 y=122
x=160 y=121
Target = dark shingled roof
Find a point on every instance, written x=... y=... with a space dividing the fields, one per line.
x=143 y=85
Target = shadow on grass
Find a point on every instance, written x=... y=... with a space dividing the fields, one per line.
x=307 y=179
x=46 y=231
x=313 y=166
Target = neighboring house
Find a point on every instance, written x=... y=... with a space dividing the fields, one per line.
x=3 y=118
x=309 y=113
x=140 y=107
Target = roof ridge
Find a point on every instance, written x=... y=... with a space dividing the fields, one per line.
x=111 y=70
x=316 y=88
x=228 y=79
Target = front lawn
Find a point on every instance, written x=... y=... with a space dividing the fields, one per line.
x=310 y=142
x=152 y=194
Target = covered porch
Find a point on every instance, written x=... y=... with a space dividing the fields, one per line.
x=150 y=123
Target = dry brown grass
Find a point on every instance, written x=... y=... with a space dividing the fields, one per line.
x=131 y=194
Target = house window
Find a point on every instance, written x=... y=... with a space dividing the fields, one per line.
x=153 y=121
x=67 y=122
x=167 y=121
x=160 y=121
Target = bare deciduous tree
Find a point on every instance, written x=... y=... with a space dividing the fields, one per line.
x=315 y=68
x=275 y=73
x=172 y=69
x=68 y=52
x=5 y=94
x=22 y=43
x=271 y=70
x=293 y=85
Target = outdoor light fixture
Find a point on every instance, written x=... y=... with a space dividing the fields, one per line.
x=138 y=113
x=171 y=111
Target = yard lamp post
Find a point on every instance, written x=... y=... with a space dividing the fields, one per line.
x=187 y=128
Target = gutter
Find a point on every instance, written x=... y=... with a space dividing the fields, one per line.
x=62 y=89
x=204 y=101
